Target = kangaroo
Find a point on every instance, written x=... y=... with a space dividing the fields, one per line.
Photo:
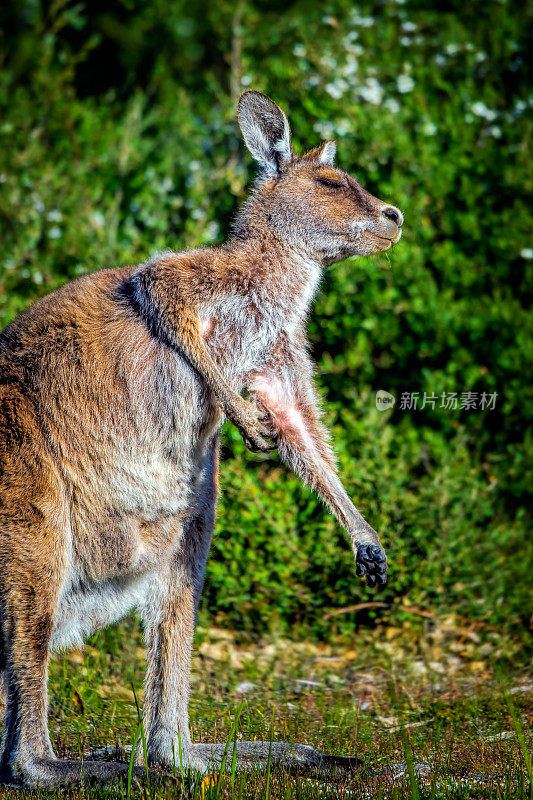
x=112 y=393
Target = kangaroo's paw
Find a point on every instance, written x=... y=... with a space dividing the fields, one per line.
x=253 y=424
x=256 y=755
x=371 y=561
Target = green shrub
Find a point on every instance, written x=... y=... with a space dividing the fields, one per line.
x=117 y=138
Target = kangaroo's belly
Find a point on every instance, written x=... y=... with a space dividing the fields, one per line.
x=120 y=542
x=129 y=520
x=89 y=605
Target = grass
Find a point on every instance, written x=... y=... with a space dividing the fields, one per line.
x=428 y=720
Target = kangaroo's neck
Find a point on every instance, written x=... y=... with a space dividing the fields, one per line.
x=285 y=277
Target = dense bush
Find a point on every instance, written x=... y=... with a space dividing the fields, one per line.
x=117 y=138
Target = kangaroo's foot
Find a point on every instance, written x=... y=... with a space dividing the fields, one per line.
x=49 y=772
x=371 y=561
x=256 y=755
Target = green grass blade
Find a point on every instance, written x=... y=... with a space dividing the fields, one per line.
x=132 y=758
x=409 y=758
x=143 y=739
x=519 y=731
x=232 y=734
x=233 y=764
x=182 y=773
x=267 y=791
x=174 y=770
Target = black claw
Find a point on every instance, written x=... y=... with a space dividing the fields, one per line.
x=377 y=553
x=371 y=560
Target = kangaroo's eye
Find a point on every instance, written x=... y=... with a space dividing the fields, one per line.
x=330 y=183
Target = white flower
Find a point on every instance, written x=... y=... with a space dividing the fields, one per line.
x=351 y=37
x=328 y=62
x=336 y=89
x=392 y=104
x=97 y=220
x=405 y=41
x=299 y=50
x=372 y=91
x=479 y=57
x=343 y=127
x=55 y=233
x=452 y=49
x=405 y=84
x=363 y=22
x=351 y=66
x=429 y=128
x=481 y=110
x=246 y=80
x=167 y=185
x=527 y=253
x=495 y=131
x=211 y=230
x=440 y=59
x=55 y=215
x=408 y=27
x=324 y=129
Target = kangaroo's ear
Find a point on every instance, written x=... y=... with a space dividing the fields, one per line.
x=325 y=154
x=265 y=130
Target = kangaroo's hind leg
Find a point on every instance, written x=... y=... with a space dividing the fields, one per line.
x=26 y=753
x=34 y=531
x=169 y=615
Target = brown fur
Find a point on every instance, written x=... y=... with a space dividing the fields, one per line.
x=112 y=392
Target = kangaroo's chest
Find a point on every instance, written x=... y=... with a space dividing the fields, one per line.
x=239 y=336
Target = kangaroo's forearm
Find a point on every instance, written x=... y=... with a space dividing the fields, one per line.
x=168 y=312
x=303 y=444
x=320 y=475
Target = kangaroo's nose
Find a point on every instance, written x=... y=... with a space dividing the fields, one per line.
x=394 y=215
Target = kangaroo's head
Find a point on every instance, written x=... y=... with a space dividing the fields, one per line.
x=308 y=202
